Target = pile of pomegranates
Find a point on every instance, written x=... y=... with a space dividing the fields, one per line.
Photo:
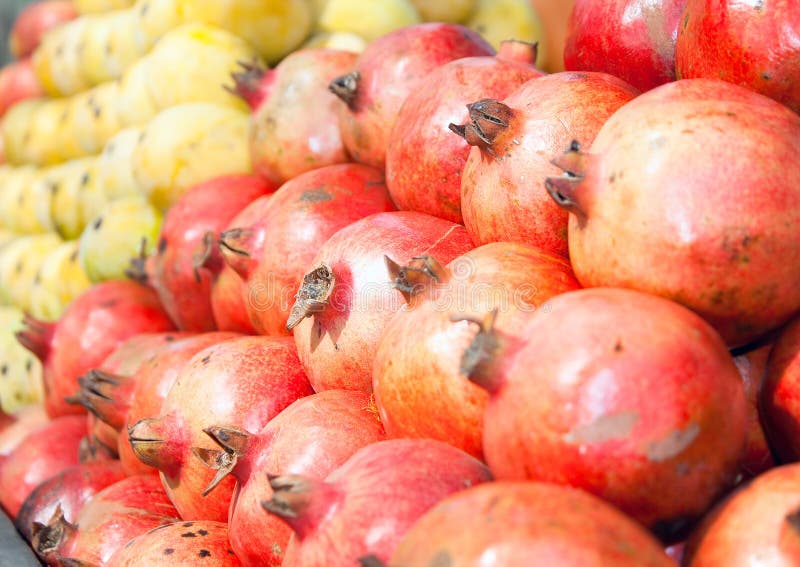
x=464 y=312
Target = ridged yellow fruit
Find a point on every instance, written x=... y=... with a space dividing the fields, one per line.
x=68 y=181
x=16 y=129
x=134 y=105
x=499 y=20
x=98 y=6
x=20 y=371
x=94 y=117
x=48 y=124
x=369 y=20
x=454 y=11
x=16 y=214
x=343 y=41
x=19 y=262
x=59 y=280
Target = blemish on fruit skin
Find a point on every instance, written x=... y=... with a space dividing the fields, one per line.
x=169 y=551
x=98 y=223
x=673 y=444
x=206 y=359
x=204 y=553
x=203 y=532
x=189 y=534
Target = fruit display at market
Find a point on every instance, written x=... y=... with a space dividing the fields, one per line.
x=321 y=283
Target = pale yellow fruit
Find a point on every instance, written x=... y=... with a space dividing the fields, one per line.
x=59 y=280
x=16 y=129
x=187 y=144
x=19 y=262
x=342 y=41
x=273 y=27
x=14 y=207
x=154 y=18
x=499 y=20
x=67 y=74
x=44 y=58
x=33 y=212
x=20 y=371
x=97 y=45
x=49 y=122
x=95 y=118
x=454 y=11
x=99 y=6
x=123 y=48
x=134 y=105
x=116 y=235
x=68 y=181
x=193 y=62
x=369 y=20
x=6 y=236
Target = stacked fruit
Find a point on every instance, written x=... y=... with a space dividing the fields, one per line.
x=410 y=300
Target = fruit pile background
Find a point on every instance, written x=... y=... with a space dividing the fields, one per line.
x=400 y=283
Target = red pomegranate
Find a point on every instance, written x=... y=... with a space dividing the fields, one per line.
x=386 y=72
x=101 y=438
x=527 y=523
x=711 y=44
x=503 y=197
x=92 y=326
x=294 y=127
x=111 y=518
x=756 y=525
x=272 y=256
x=779 y=401
x=183 y=287
x=179 y=543
x=646 y=191
x=24 y=421
x=241 y=382
x=424 y=160
x=752 y=366
x=630 y=39
x=43 y=452
x=347 y=299
x=34 y=20
x=68 y=490
x=18 y=82
x=312 y=437
x=416 y=377
x=366 y=505
x=651 y=412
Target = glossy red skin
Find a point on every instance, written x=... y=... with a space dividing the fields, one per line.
x=5 y=420
x=207 y=207
x=779 y=402
x=34 y=20
x=418 y=385
x=70 y=490
x=152 y=383
x=242 y=382
x=630 y=39
x=113 y=517
x=337 y=345
x=295 y=128
x=228 y=292
x=93 y=325
x=25 y=420
x=407 y=476
x=651 y=417
x=752 y=44
x=42 y=453
x=300 y=217
x=527 y=523
x=642 y=200
x=18 y=82
x=751 y=526
x=424 y=160
x=392 y=67
x=311 y=437
x=170 y=544
x=753 y=369
x=505 y=199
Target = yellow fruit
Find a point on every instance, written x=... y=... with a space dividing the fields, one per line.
x=19 y=262
x=97 y=45
x=499 y=20
x=95 y=117
x=67 y=74
x=44 y=58
x=134 y=105
x=187 y=144
x=49 y=123
x=16 y=129
x=369 y=20
x=33 y=213
x=342 y=41
x=455 y=11
x=154 y=18
x=124 y=47
x=20 y=371
x=59 y=280
x=273 y=27
x=68 y=181
x=98 y=6
x=13 y=203
x=6 y=236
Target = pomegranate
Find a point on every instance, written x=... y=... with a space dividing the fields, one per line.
x=711 y=44
x=416 y=376
x=5 y=420
x=752 y=366
x=630 y=39
x=69 y=490
x=18 y=82
x=34 y=20
x=780 y=394
x=346 y=301
x=42 y=453
x=651 y=408
x=185 y=288
x=424 y=160
x=312 y=437
x=25 y=420
x=111 y=518
x=151 y=384
x=243 y=382
x=756 y=525
x=503 y=197
x=386 y=72
x=102 y=438
x=294 y=127
x=647 y=191
x=179 y=543
x=272 y=256
x=92 y=326
x=527 y=523
x=337 y=521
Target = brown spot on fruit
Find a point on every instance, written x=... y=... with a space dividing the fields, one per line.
x=204 y=553
x=169 y=551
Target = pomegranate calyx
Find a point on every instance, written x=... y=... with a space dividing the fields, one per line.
x=247 y=83
x=36 y=336
x=300 y=501
x=519 y=51
x=370 y=561
x=481 y=351
x=97 y=394
x=346 y=88
x=313 y=295
x=47 y=538
x=207 y=256
x=419 y=274
x=69 y=562
x=488 y=119
x=233 y=442
x=233 y=245
x=156 y=444
x=563 y=189
x=137 y=269
x=92 y=449
x=792 y=520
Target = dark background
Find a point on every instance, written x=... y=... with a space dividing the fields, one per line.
x=8 y=11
